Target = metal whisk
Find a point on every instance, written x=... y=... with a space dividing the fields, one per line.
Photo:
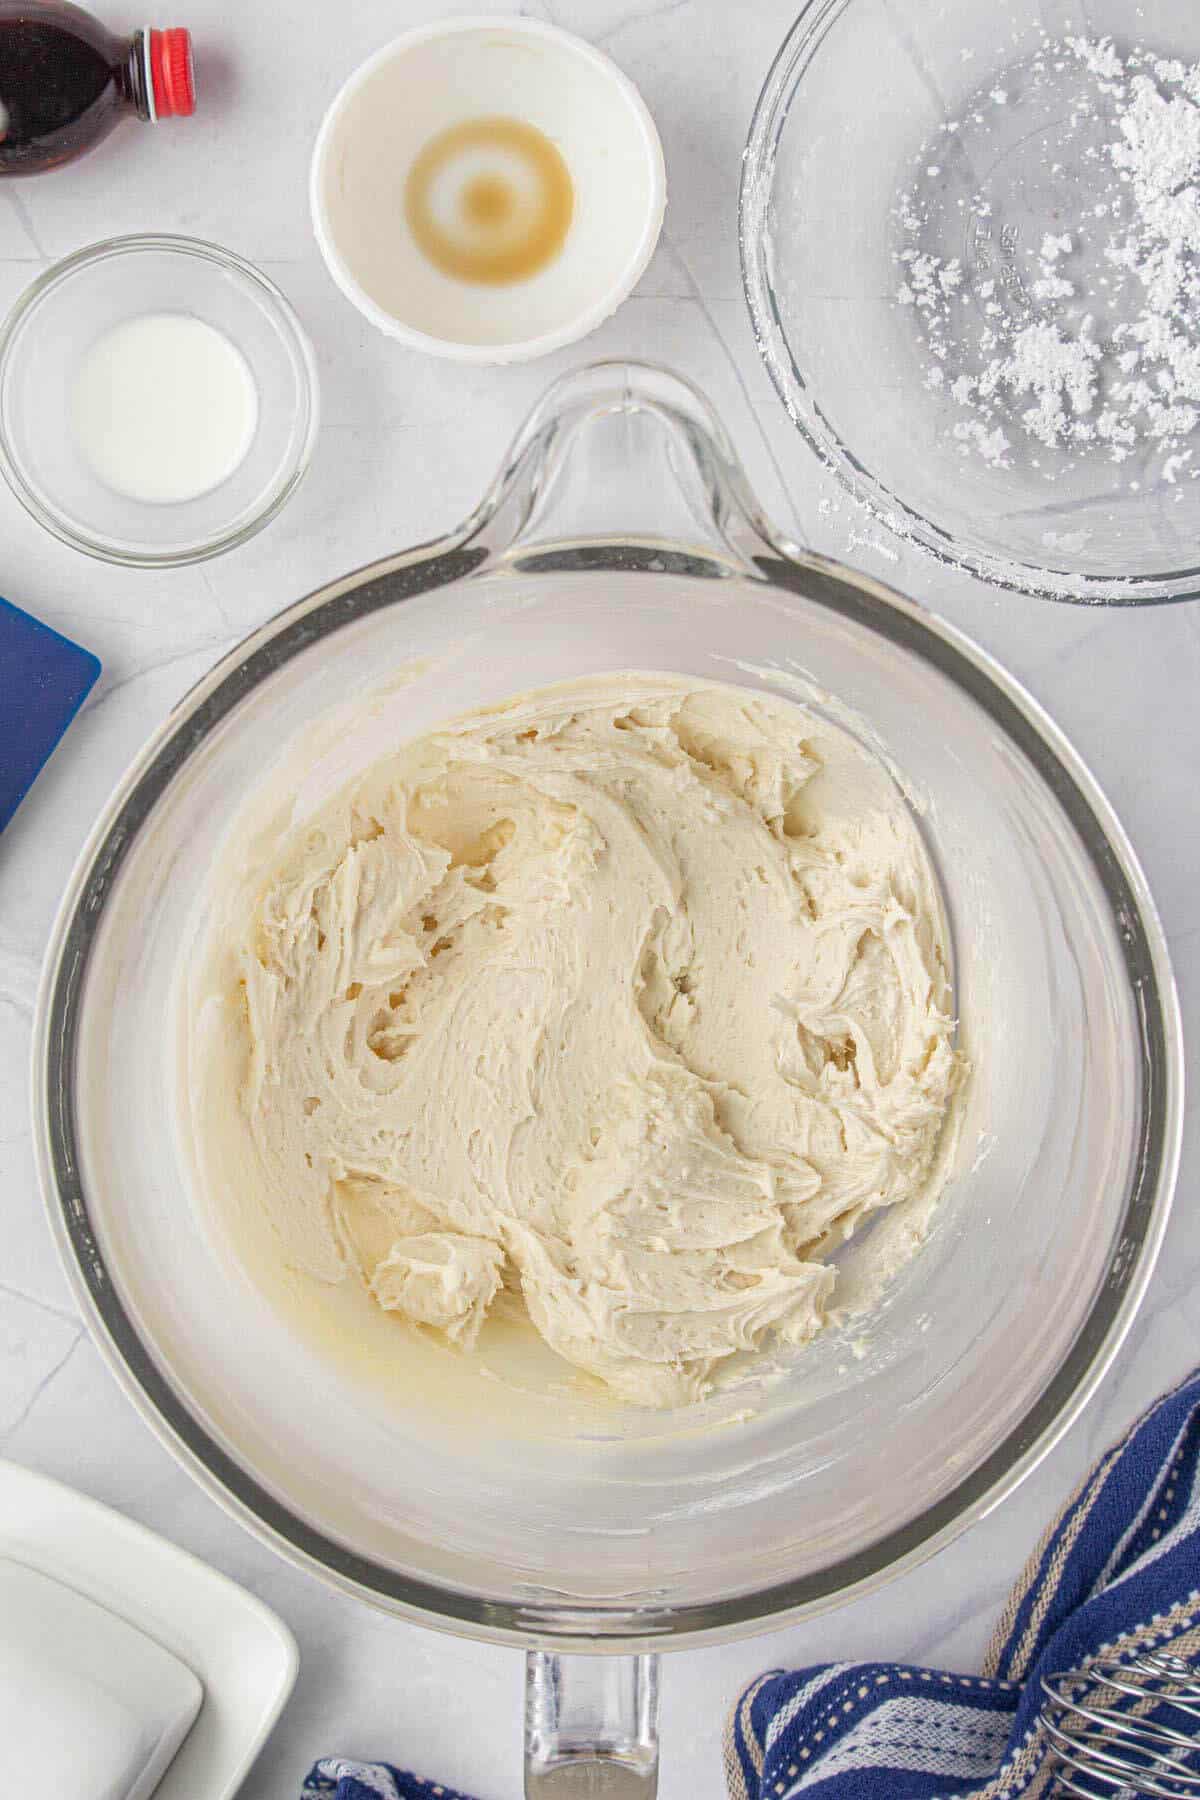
x=1120 y=1729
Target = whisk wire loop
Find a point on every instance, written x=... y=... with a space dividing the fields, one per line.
x=1114 y=1728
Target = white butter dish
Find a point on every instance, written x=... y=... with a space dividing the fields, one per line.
x=242 y=1658
x=89 y=1705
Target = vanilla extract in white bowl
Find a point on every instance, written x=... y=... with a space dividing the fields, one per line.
x=490 y=200
x=487 y=189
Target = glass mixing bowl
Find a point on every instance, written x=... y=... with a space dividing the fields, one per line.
x=620 y=534
x=858 y=90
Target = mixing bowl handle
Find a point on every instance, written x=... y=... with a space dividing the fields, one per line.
x=628 y=454
x=591 y=1726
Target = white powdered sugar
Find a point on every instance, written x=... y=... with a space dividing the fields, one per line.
x=992 y=445
x=1057 y=373
x=1084 y=340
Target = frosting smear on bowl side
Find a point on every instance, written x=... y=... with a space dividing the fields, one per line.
x=629 y=996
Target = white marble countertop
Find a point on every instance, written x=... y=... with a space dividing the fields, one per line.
x=407 y=445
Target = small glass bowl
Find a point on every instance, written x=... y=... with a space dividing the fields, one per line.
x=65 y=311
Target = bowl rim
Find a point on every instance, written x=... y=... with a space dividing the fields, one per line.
x=515 y=349
x=852 y=595
x=756 y=187
x=290 y=473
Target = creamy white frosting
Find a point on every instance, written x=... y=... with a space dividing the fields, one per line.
x=630 y=996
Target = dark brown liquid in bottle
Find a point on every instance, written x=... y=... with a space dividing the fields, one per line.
x=64 y=83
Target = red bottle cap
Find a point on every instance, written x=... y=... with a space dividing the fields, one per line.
x=171 y=74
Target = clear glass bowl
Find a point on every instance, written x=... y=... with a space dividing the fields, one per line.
x=857 y=90
x=620 y=534
x=65 y=311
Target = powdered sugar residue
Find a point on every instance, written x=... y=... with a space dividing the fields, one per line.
x=1084 y=342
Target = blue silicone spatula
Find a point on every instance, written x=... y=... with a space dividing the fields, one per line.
x=44 y=680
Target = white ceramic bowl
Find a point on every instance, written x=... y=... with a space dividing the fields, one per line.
x=443 y=75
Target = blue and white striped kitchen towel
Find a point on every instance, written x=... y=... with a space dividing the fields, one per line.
x=1118 y=1571
x=335 y=1776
